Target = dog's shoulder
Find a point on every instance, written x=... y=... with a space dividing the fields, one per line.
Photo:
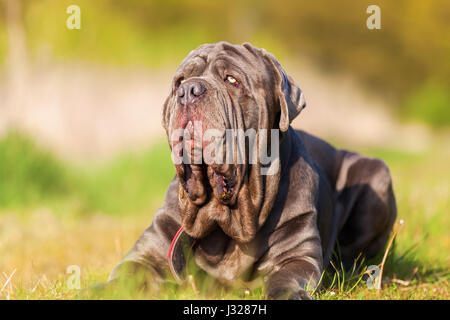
x=325 y=157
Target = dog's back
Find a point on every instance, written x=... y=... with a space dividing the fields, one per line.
x=364 y=202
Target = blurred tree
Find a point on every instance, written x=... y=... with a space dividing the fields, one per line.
x=16 y=58
x=411 y=49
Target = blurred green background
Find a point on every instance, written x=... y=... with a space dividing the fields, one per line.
x=407 y=61
x=83 y=158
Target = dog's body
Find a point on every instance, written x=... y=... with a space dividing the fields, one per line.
x=283 y=226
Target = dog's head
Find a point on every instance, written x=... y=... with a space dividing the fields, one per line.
x=222 y=95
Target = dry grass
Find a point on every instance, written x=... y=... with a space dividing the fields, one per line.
x=102 y=209
x=38 y=243
x=36 y=248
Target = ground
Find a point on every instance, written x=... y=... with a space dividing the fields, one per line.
x=93 y=229
x=86 y=201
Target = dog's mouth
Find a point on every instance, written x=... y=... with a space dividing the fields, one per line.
x=223 y=183
x=224 y=186
x=202 y=182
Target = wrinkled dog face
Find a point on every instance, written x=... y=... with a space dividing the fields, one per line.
x=219 y=92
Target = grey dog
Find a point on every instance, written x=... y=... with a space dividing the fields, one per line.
x=281 y=227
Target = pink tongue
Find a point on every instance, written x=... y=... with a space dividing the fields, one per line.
x=222 y=180
x=222 y=186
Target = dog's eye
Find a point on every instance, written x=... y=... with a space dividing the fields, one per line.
x=179 y=81
x=232 y=80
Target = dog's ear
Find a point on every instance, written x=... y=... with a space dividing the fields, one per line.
x=290 y=96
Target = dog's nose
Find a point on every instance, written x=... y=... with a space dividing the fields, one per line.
x=189 y=92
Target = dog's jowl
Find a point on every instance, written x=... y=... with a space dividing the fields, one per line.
x=248 y=203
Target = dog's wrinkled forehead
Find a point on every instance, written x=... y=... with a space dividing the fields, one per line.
x=244 y=60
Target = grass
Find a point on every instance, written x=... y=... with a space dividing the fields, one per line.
x=436 y=99
x=32 y=176
x=54 y=215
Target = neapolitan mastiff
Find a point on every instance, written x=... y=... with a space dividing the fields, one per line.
x=283 y=225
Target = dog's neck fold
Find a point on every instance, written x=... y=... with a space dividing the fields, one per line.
x=254 y=203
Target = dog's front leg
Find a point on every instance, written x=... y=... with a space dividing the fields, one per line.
x=294 y=259
x=146 y=265
x=292 y=280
